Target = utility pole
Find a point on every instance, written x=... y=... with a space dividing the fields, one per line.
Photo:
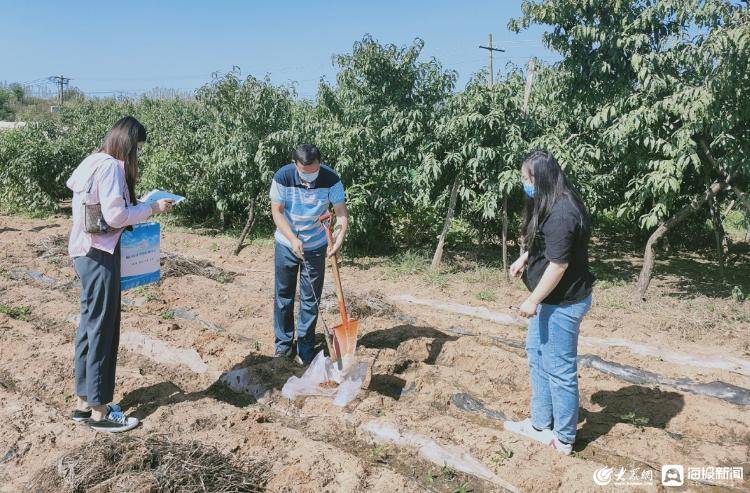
x=531 y=70
x=491 y=82
x=61 y=82
x=490 y=49
x=529 y=82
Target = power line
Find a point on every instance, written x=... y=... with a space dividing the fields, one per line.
x=35 y=81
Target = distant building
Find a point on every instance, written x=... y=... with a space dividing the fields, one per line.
x=11 y=125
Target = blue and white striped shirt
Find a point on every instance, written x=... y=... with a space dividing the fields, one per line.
x=304 y=205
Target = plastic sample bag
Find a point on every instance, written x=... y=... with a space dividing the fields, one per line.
x=324 y=379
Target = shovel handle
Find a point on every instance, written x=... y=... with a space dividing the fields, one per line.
x=339 y=289
x=326 y=220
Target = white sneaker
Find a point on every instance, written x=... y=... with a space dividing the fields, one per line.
x=560 y=447
x=114 y=422
x=524 y=428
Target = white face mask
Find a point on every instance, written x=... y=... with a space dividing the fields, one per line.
x=308 y=177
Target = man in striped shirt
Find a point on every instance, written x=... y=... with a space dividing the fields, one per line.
x=300 y=193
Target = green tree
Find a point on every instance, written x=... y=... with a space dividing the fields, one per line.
x=240 y=114
x=372 y=126
x=34 y=164
x=477 y=145
x=174 y=156
x=666 y=84
x=18 y=92
x=11 y=98
x=5 y=99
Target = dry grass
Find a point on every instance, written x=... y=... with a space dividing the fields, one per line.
x=155 y=464
x=175 y=265
x=52 y=246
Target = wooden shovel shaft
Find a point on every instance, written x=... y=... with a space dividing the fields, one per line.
x=339 y=288
x=328 y=335
x=327 y=220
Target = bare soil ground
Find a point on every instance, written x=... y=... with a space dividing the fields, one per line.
x=181 y=335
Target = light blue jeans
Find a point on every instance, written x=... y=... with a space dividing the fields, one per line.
x=552 y=349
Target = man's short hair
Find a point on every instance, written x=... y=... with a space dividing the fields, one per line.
x=306 y=154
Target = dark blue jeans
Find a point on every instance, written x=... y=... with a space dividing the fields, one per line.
x=98 y=335
x=287 y=267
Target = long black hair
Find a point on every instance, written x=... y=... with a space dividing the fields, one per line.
x=121 y=142
x=550 y=185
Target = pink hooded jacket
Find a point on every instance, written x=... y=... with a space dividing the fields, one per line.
x=109 y=189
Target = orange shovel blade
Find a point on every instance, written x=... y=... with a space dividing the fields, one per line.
x=345 y=339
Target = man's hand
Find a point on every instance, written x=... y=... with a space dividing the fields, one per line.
x=339 y=230
x=334 y=249
x=338 y=241
x=297 y=248
x=277 y=212
x=516 y=268
x=528 y=308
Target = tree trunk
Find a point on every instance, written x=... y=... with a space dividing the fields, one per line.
x=718 y=233
x=704 y=153
x=740 y=194
x=729 y=208
x=505 y=237
x=223 y=220
x=248 y=225
x=438 y=257
x=745 y=200
x=526 y=98
x=648 y=256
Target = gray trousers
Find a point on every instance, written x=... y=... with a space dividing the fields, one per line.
x=98 y=335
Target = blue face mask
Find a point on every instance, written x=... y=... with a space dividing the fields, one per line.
x=529 y=189
x=309 y=177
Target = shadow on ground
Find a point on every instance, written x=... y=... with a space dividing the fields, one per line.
x=690 y=277
x=614 y=271
x=269 y=373
x=390 y=385
x=37 y=229
x=636 y=405
x=683 y=274
x=395 y=336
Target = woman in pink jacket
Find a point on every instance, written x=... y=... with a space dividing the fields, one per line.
x=107 y=177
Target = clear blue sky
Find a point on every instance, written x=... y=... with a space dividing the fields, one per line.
x=137 y=45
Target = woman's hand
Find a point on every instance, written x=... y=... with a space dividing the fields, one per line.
x=516 y=268
x=162 y=205
x=528 y=308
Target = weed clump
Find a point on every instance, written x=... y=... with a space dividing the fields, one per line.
x=154 y=463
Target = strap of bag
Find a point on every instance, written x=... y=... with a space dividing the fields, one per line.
x=90 y=183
